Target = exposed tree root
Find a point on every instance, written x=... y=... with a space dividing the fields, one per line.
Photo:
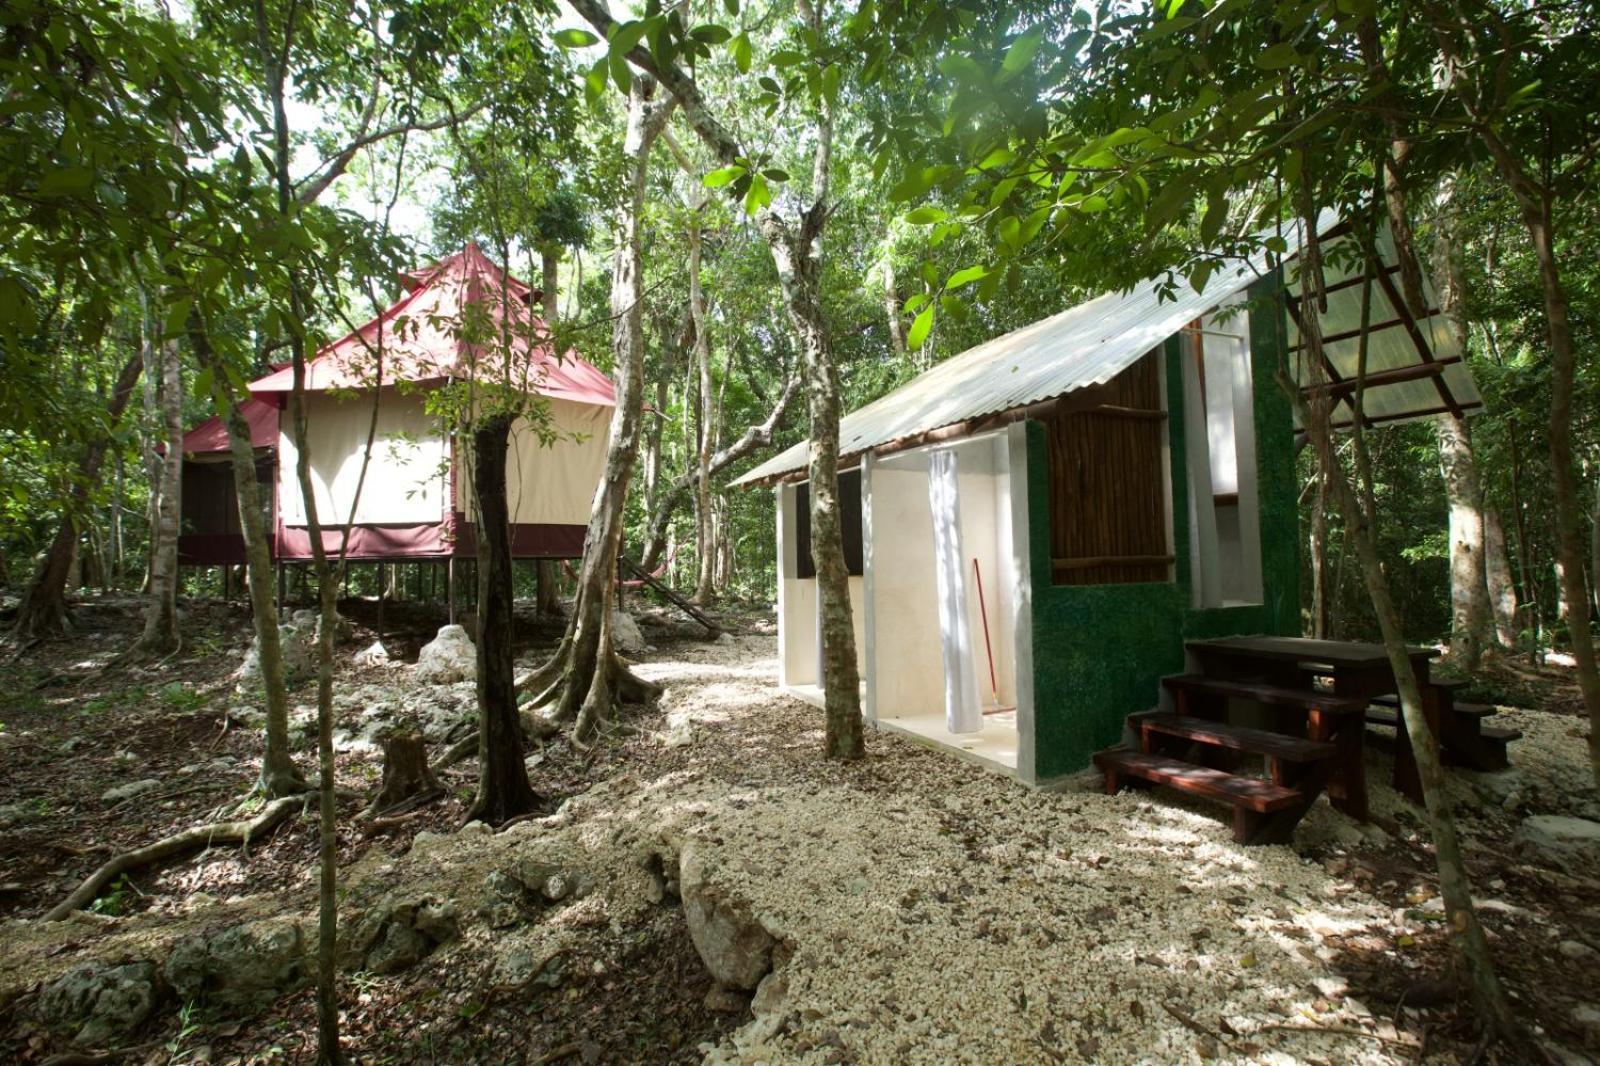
x=587 y=698
x=239 y=832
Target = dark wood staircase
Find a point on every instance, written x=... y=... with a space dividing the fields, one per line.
x=1195 y=752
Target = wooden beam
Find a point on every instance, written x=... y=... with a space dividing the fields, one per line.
x=1350 y=334
x=1414 y=331
x=1392 y=376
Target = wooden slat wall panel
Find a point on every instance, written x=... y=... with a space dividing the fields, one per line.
x=1107 y=485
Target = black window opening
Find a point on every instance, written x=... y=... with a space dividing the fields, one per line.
x=849 y=518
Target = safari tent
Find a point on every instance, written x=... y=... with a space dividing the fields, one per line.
x=1035 y=526
x=463 y=319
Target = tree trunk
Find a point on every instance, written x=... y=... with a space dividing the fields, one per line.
x=503 y=788
x=757 y=436
x=1502 y=589
x=43 y=612
x=796 y=254
x=160 y=636
x=550 y=264
x=1569 y=510
x=406 y=775
x=891 y=307
x=1319 y=559
x=800 y=273
x=585 y=681
x=279 y=775
x=1359 y=514
x=1534 y=201
x=705 y=553
x=1469 y=587
x=547 y=589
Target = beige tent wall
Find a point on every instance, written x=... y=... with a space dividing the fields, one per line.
x=405 y=481
x=550 y=482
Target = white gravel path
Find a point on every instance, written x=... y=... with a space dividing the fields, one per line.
x=941 y=913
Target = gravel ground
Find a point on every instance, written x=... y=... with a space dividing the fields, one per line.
x=936 y=912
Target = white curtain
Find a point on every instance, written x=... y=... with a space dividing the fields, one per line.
x=962 y=713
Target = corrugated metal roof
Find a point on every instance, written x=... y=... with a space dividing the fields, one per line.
x=1089 y=345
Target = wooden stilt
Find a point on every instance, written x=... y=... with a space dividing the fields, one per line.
x=279 y=567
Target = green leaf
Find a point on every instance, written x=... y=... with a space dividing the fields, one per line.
x=997 y=158
x=731 y=7
x=964 y=68
x=739 y=48
x=575 y=38
x=1201 y=274
x=919 y=328
x=1278 y=56
x=625 y=36
x=594 y=82
x=966 y=276
x=777 y=174
x=620 y=72
x=927 y=216
x=914 y=301
x=758 y=195
x=723 y=176
x=1020 y=54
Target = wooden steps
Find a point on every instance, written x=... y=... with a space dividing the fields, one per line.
x=1186 y=686
x=1475 y=710
x=1252 y=793
x=1235 y=737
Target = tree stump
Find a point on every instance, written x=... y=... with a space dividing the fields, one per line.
x=406 y=776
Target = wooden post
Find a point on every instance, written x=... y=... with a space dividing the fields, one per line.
x=279 y=567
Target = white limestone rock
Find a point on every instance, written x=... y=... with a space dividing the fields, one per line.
x=447 y=658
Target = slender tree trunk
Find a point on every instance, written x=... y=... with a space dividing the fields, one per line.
x=891 y=307
x=1534 y=201
x=503 y=788
x=329 y=1050
x=160 y=636
x=584 y=681
x=279 y=775
x=550 y=264
x=547 y=589
x=1359 y=512
x=1469 y=589
x=43 y=612
x=796 y=254
x=704 y=551
x=1469 y=586
x=1319 y=559
x=1502 y=589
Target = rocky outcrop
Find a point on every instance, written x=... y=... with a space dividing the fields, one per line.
x=730 y=937
x=1572 y=844
x=299 y=662
x=626 y=636
x=447 y=658
x=100 y=1001
x=398 y=933
x=241 y=966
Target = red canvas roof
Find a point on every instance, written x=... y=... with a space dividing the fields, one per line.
x=421 y=339
x=211 y=436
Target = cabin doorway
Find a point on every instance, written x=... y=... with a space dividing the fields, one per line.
x=942 y=597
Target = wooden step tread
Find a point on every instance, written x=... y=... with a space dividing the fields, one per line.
x=1272 y=695
x=1500 y=733
x=1473 y=710
x=1383 y=716
x=1249 y=792
x=1237 y=737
